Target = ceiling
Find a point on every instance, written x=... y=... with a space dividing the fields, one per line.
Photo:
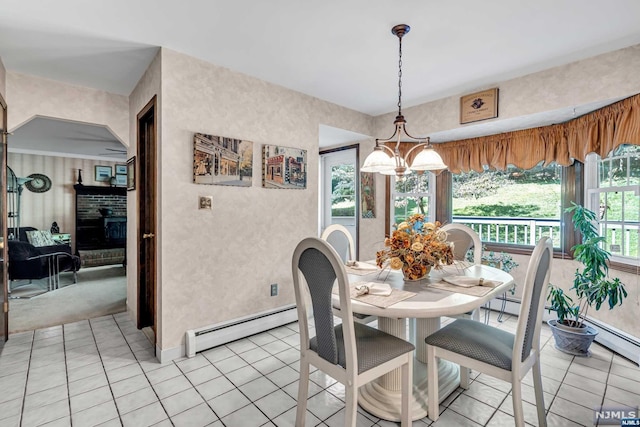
x=339 y=51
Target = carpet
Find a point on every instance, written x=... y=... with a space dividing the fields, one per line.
x=99 y=291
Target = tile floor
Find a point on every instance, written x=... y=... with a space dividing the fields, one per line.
x=103 y=372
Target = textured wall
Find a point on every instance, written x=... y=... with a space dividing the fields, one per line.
x=39 y=210
x=147 y=87
x=217 y=265
x=30 y=96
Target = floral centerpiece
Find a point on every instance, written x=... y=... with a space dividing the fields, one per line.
x=416 y=246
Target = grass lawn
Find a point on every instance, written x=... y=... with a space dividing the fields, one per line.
x=514 y=200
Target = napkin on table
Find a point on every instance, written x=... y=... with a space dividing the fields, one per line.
x=467 y=282
x=373 y=288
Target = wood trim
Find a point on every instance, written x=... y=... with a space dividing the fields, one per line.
x=387 y=206
x=444 y=192
x=4 y=251
x=146 y=208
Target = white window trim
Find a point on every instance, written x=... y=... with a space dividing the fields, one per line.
x=430 y=194
x=592 y=199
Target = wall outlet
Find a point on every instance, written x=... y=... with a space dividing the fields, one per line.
x=274 y=289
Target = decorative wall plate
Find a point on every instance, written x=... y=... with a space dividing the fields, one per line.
x=39 y=183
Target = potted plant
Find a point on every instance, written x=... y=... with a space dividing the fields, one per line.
x=592 y=285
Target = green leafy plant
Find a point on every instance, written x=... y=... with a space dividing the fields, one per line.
x=592 y=284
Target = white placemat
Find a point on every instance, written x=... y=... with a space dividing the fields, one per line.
x=397 y=295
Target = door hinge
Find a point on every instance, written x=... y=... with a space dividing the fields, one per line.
x=5 y=307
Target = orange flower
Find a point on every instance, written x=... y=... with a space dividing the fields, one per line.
x=416 y=247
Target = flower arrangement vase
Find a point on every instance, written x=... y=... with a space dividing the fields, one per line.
x=415 y=274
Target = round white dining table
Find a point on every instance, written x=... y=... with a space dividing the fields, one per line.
x=382 y=397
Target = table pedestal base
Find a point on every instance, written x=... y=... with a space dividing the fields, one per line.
x=386 y=404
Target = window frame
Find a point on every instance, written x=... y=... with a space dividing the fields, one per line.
x=572 y=190
x=592 y=191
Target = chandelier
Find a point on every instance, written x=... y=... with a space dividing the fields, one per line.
x=386 y=161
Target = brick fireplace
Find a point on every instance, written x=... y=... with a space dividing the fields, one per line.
x=101 y=236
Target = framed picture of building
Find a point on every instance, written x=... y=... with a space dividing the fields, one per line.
x=218 y=160
x=284 y=167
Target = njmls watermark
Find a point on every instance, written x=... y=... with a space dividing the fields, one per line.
x=616 y=416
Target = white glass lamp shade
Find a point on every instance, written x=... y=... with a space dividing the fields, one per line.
x=393 y=171
x=378 y=161
x=427 y=159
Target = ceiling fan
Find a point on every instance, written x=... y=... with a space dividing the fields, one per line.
x=114 y=152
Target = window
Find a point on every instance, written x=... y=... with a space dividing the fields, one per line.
x=613 y=192
x=515 y=206
x=411 y=195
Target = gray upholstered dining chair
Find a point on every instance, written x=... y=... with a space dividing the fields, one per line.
x=494 y=351
x=352 y=353
x=340 y=238
x=463 y=239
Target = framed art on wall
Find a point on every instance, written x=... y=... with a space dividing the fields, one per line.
x=368 y=194
x=121 y=169
x=218 y=160
x=103 y=173
x=284 y=167
x=131 y=174
x=479 y=106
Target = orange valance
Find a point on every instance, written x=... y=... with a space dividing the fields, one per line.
x=597 y=132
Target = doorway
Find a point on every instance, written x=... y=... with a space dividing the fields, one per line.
x=339 y=193
x=146 y=242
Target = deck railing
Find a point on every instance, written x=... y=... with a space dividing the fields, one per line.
x=517 y=231
x=623 y=239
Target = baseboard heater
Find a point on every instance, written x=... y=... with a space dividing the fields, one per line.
x=197 y=340
x=610 y=337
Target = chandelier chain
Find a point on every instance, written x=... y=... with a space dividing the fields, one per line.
x=399 y=75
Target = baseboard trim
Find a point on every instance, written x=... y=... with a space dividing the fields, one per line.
x=614 y=339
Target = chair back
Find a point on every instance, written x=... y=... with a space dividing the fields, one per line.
x=534 y=294
x=321 y=267
x=463 y=239
x=340 y=238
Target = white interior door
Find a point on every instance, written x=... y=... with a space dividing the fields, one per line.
x=339 y=193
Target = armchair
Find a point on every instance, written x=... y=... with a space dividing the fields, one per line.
x=28 y=262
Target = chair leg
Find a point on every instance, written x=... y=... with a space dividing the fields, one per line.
x=303 y=391
x=537 y=387
x=516 y=395
x=407 y=392
x=465 y=374
x=351 y=404
x=433 y=410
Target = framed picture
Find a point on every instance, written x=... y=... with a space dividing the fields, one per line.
x=479 y=106
x=131 y=174
x=368 y=194
x=103 y=173
x=121 y=180
x=219 y=160
x=121 y=169
x=284 y=167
